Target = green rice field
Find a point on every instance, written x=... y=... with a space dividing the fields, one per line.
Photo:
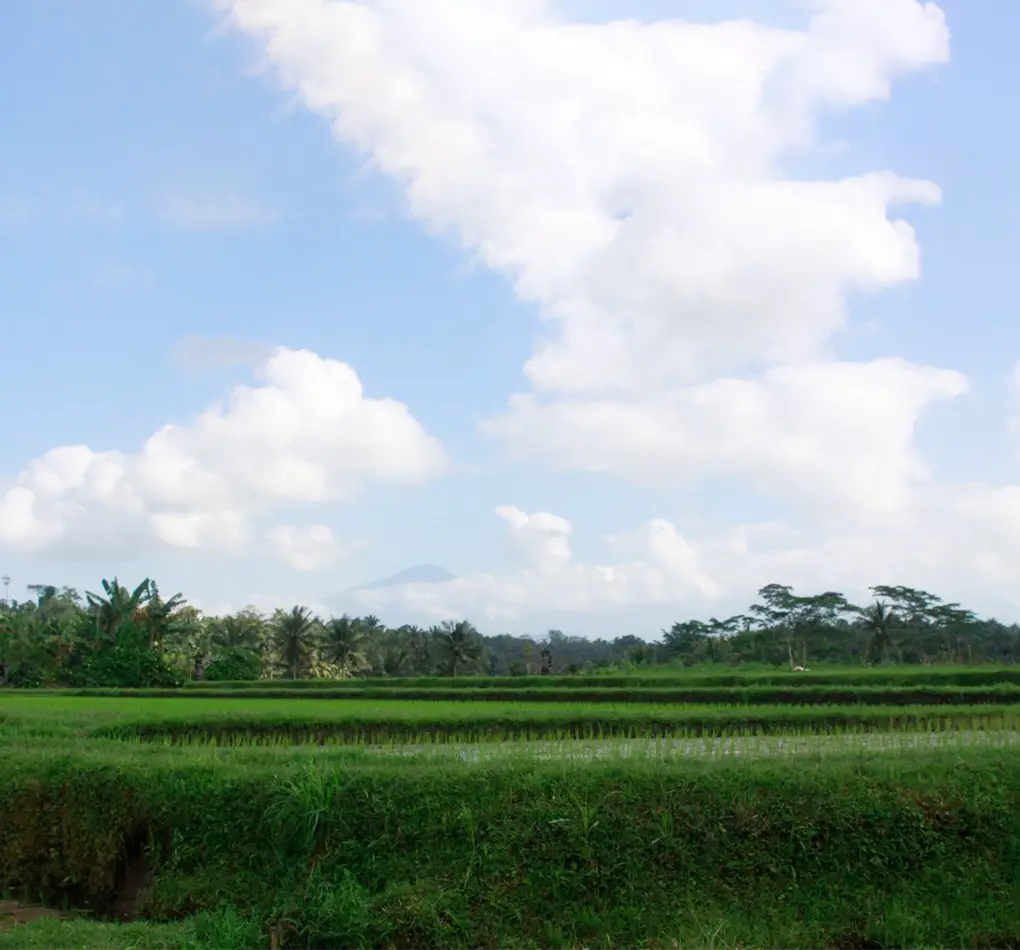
x=748 y=812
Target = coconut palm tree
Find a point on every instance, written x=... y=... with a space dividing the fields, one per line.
x=245 y=630
x=419 y=648
x=295 y=635
x=343 y=641
x=393 y=653
x=879 y=621
x=460 y=644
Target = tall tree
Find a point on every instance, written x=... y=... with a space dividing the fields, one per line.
x=419 y=648
x=159 y=615
x=879 y=621
x=296 y=639
x=244 y=630
x=343 y=640
x=461 y=645
x=117 y=608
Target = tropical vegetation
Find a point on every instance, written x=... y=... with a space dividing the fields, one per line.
x=133 y=636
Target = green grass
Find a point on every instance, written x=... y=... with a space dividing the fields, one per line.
x=792 y=694
x=659 y=677
x=320 y=721
x=915 y=851
x=216 y=929
x=390 y=822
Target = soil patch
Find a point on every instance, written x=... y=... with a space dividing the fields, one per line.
x=12 y=914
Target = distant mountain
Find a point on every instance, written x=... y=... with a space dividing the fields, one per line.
x=419 y=574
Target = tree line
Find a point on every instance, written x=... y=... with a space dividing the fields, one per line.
x=901 y=625
x=136 y=637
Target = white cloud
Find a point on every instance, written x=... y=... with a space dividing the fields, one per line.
x=625 y=175
x=957 y=541
x=666 y=568
x=837 y=437
x=541 y=539
x=308 y=434
x=629 y=178
x=265 y=603
x=225 y=212
x=313 y=548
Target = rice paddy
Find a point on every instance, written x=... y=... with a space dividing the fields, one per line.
x=782 y=813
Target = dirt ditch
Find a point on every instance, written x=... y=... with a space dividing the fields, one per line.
x=132 y=875
x=13 y=914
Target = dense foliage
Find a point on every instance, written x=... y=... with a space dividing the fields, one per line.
x=134 y=637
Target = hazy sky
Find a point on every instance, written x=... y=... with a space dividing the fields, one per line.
x=616 y=320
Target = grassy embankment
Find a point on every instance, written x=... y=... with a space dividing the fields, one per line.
x=656 y=678
x=814 y=695
x=263 y=844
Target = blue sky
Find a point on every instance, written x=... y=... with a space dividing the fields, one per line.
x=160 y=194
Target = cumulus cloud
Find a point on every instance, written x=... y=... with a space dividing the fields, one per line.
x=307 y=434
x=836 y=436
x=313 y=548
x=632 y=180
x=665 y=567
x=541 y=539
x=629 y=178
x=959 y=541
x=626 y=175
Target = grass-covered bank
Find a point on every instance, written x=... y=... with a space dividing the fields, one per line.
x=919 y=851
x=224 y=928
x=792 y=695
x=277 y=721
x=655 y=677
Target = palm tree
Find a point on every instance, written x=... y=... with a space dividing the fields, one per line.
x=879 y=621
x=419 y=648
x=244 y=630
x=159 y=616
x=460 y=642
x=295 y=639
x=118 y=606
x=343 y=640
x=393 y=653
